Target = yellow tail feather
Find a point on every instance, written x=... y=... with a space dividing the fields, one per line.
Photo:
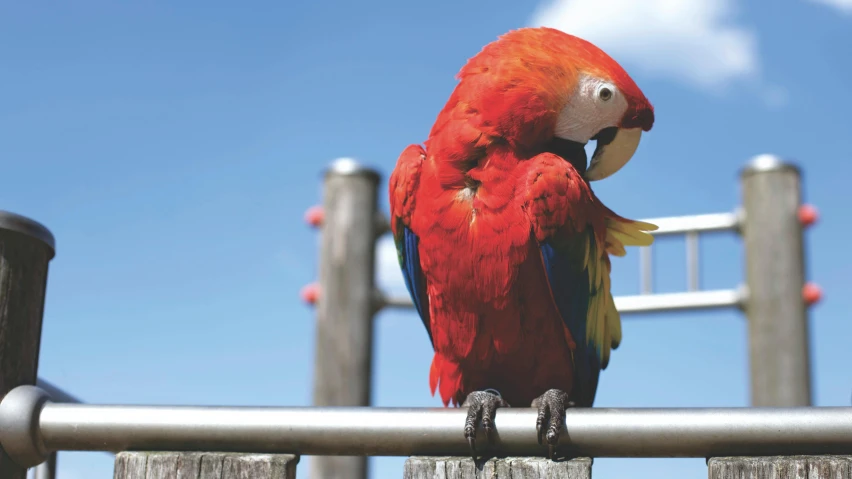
x=603 y=323
x=621 y=233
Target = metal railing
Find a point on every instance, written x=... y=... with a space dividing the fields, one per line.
x=691 y=227
x=28 y=420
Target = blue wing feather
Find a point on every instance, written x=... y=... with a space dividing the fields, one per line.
x=569 y=283
x=409 y=261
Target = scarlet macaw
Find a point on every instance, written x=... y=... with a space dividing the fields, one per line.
x=502 y=243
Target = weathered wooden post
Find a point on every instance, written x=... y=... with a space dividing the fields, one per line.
x=775 y=275
x=204 y=465
x=504 y=468
x=346 y=303
x=780 y=467
x=26 y=248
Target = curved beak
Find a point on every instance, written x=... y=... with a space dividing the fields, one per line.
x=615 y=147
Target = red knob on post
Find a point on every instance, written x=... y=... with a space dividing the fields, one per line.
x=811 y=293
x=315 y=216
x=310 y=293
x=808 y=215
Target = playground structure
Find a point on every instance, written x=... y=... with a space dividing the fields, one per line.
x=778 y=437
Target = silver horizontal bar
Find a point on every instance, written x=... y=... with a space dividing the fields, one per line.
x=669 y=302
x=400 y=302
x=58 y=395
x=698 y=223
x=404 y=432
x=645 y=303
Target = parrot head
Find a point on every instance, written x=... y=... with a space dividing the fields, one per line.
x=543 y=89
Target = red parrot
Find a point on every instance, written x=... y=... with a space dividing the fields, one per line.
x=502 y=243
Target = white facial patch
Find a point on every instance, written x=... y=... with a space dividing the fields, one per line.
x=596 y=104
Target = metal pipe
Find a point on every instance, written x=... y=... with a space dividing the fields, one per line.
x=707 y=223
x=647 y=303
x=692 y=276
x=595 y=432
x=670 y=302
x=646 y=271
x=47 y=469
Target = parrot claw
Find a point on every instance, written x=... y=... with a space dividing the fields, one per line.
x=551 y=415
x=481 y=406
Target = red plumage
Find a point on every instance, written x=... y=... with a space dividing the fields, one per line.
x=482 y=196
x=492 y=314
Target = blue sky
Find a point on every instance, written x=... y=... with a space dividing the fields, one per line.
x=173 y=149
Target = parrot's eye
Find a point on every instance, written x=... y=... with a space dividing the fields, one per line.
x=605 y=94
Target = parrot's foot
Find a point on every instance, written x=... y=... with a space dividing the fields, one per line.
x=481 y=406
x=551 y=415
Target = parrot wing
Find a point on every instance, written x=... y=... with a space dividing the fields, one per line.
x=403 y=185
x=576 y=235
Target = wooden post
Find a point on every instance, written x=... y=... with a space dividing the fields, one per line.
x=346 y=303
x=26 y=248
x=775 y=275
x=780 y=467
x=505 y=468
x=204 y=465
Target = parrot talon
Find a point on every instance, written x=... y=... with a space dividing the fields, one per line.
x=482 y=407
x=551 y=415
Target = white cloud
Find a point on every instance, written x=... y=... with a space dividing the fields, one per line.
x=844 y=6
x=696 y=41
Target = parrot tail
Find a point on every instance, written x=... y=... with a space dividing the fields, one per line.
x=448 y=375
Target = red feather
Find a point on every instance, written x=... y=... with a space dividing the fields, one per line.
x=480 y=197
